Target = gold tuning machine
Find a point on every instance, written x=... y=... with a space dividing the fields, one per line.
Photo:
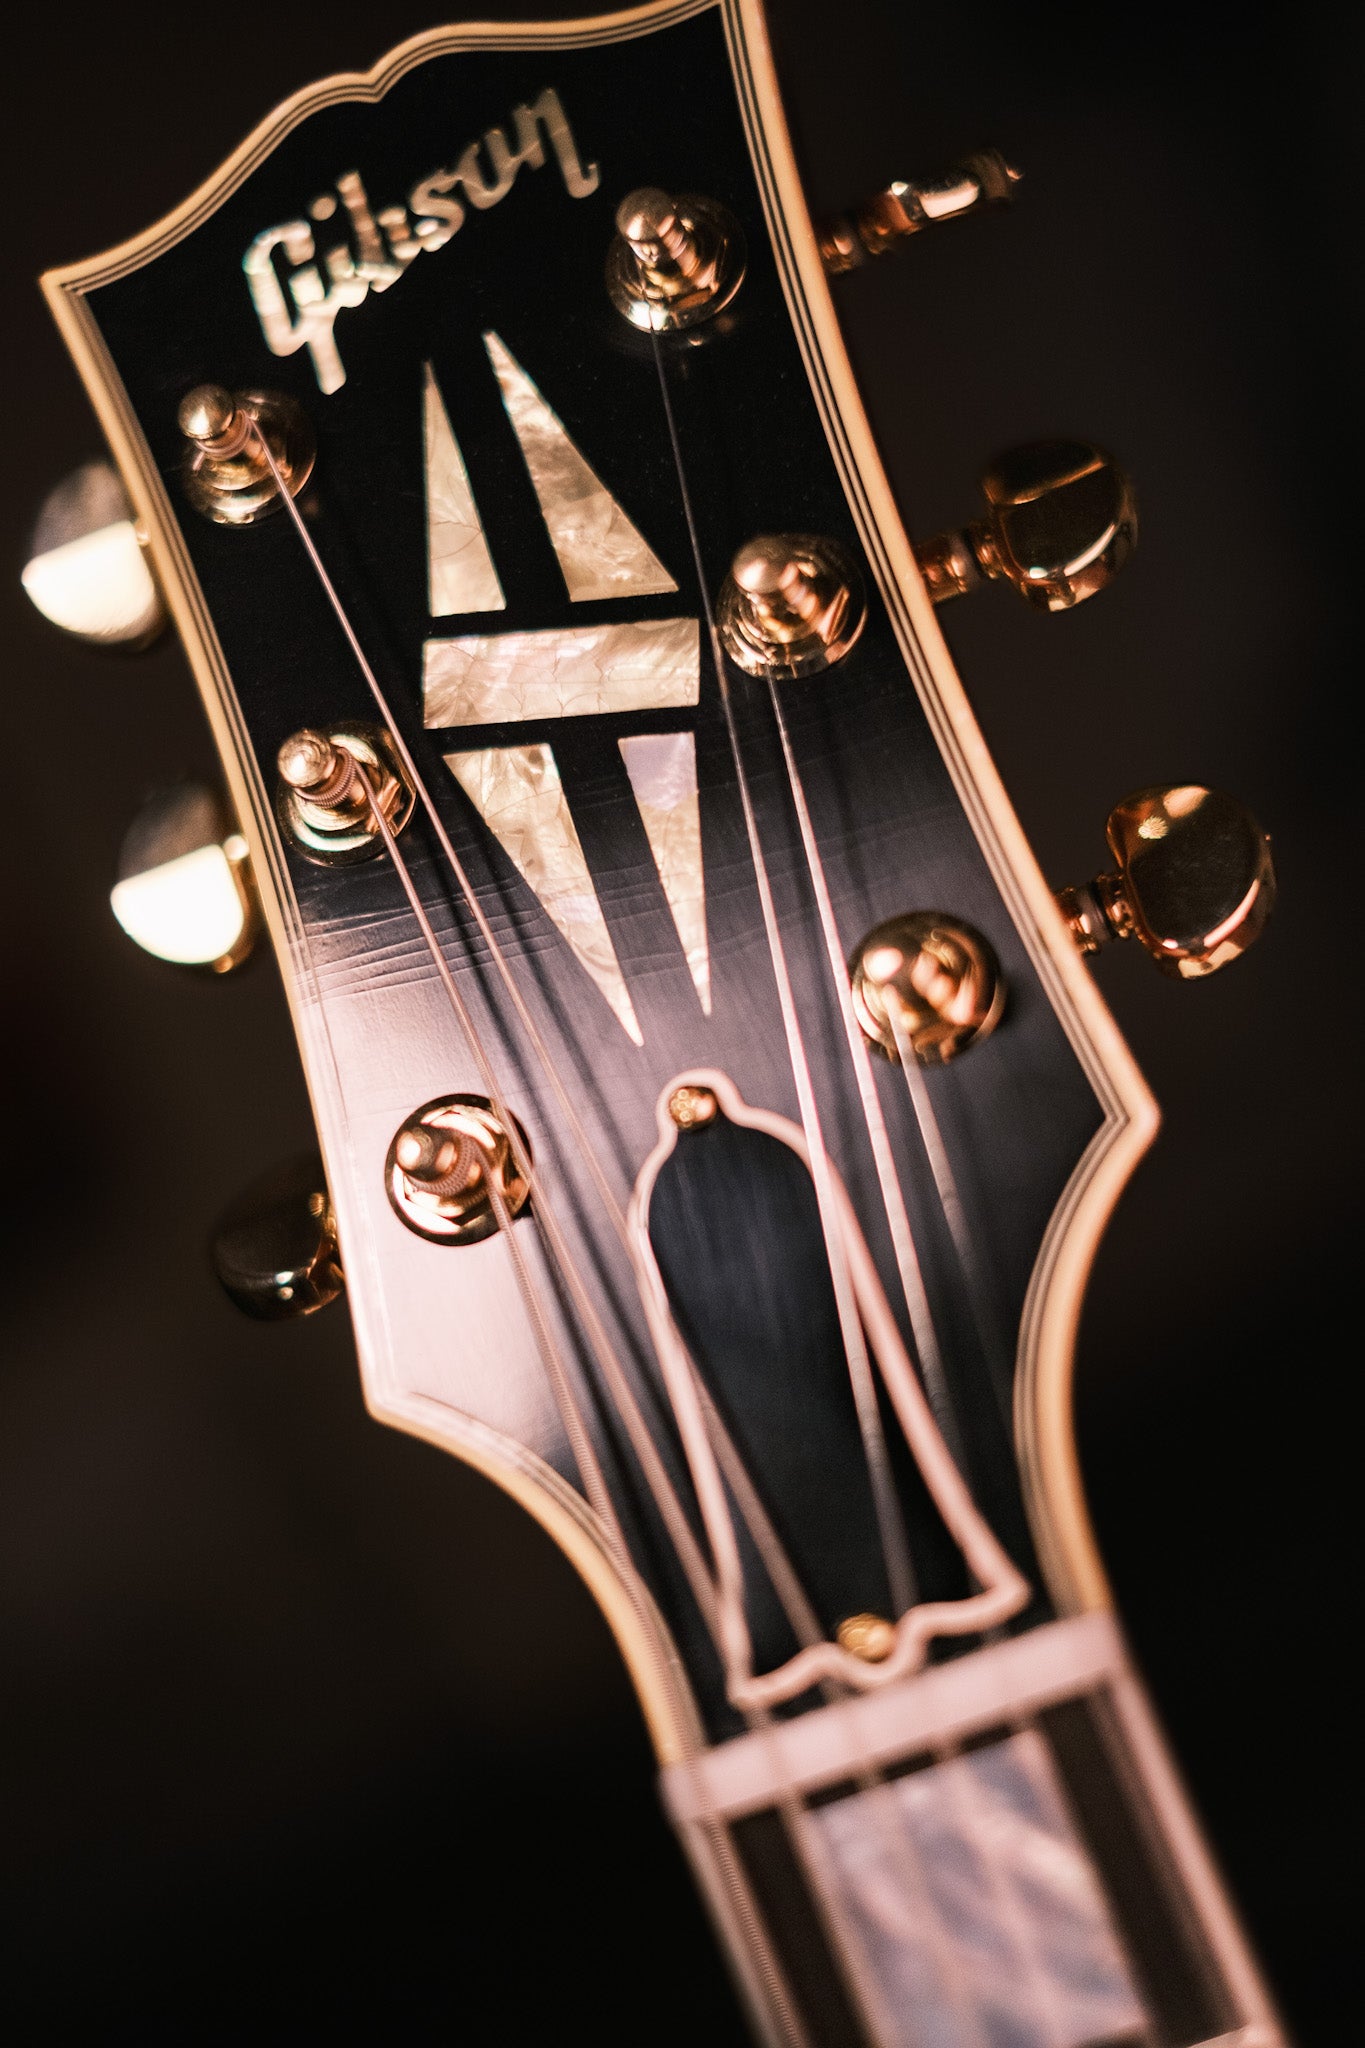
x=226 y=474
x=275 y=1250
x=1193 y=883
x=1061 y=521
x=184 y=891
x=890 y=217
x=87 y=569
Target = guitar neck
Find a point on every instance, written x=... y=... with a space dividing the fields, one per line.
x=999 y=1851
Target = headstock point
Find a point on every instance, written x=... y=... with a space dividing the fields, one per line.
x=1061 y=521
x=1194 y=883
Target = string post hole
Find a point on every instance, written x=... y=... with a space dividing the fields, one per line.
x=905 y=208
x=226 y=471
x=1195 y=883
x=791 y=605
x=332 y=779
x=449 y=1169
x=928 y=984
x=673 y=262
x=1061 y=521
x=868 y=1636
x=692 y=1108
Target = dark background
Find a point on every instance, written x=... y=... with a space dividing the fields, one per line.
x=311 y=1735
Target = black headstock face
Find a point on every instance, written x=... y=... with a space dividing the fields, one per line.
x=498 y=502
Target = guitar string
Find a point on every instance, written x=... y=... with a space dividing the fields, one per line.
x=988 y=1332
x=886 y=1500
x=893 y=1199
x=594 y=1482
x=430 y=936
x=542 y=1210
x=777 y=1563
x=887 y=1808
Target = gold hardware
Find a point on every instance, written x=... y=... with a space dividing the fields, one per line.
x=692 y=1108
x=892 y=215
x=88 y=570
x=227 y=477
x=869 y=1636
x=322 y=803
x=441 y=1165
x=1061 y=522
x=184 y=891
x=930 y=978
x=792 y=604
x=1195 y=882
x=275 y=1250
x=673 y=262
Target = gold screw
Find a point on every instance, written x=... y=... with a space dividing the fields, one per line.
x=869 y=1636
x=690 y=1107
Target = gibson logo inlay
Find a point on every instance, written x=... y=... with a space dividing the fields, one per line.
x=386 y=242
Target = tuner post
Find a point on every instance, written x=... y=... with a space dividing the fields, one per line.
x=890 y=217
x=673 y=262
x=1194 y=881
x=791 y=605
x=1061 y=521
x=333 y=779
x=928 y=985
x=451 y=1167
x=226 y=472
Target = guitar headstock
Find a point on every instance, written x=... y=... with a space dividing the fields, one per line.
x=717 y=1113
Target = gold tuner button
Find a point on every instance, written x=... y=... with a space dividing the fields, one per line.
x=927 y=985
x=87 y=569
x=791 y=605
x=446 y=1163
x=331 y=778
x=226 y=472
x=673 y=262
x=890 y=217
x=184 y=890
x=275 y=1250
x=1061 y=522
x=1194 y=883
